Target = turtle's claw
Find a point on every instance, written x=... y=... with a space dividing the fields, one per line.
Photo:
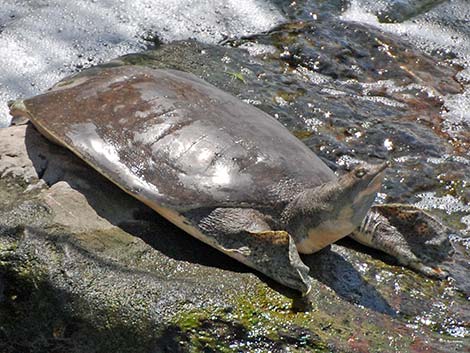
x=432 y=272
x=412 y=236
x=440 y=273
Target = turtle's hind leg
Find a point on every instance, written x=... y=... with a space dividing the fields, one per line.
x=244 y=235
x=409 y=234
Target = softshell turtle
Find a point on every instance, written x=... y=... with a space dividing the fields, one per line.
x=222 y=170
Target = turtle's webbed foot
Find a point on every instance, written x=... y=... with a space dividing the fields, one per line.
x=272 y=253
x=409 y=234
x=244 y=235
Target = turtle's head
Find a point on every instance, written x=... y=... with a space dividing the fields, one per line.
x=320 y=216
x=359 y=188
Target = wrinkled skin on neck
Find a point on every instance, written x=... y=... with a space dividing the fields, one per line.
x=320 y=216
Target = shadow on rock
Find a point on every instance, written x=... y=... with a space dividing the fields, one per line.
x=168 y=239
x=333 y=270
x=337 y=273
x=55 y=311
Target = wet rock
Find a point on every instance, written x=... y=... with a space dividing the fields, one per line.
x=84 y=267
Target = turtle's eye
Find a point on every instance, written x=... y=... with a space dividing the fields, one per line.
x=360 y=173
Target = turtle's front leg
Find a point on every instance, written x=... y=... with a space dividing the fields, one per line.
x=244 y=235
x=412 y=236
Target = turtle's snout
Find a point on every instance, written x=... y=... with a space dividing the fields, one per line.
x=379 y=168
x=377 y=174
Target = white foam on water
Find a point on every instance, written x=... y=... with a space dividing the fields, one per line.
x=42 y=41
